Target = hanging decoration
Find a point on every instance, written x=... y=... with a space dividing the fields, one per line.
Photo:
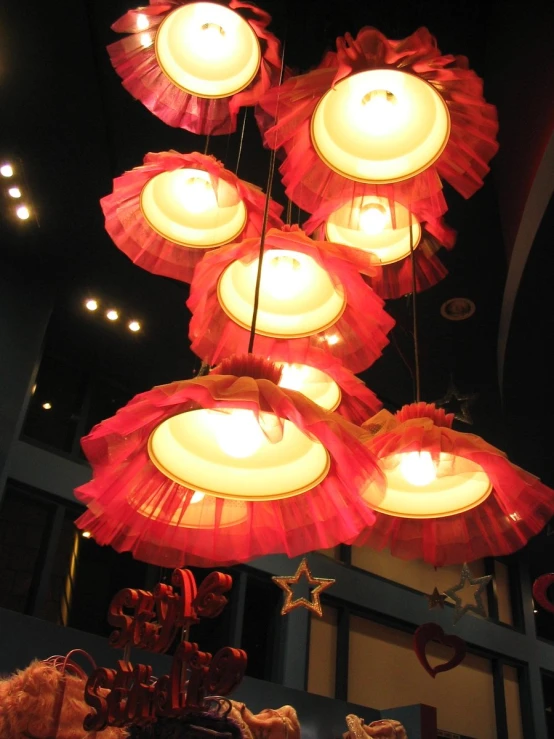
x=541 y=592
x=450 y=496
x=457 y=403
x=311 y=297
x=347 y=127
x=195 y=64
x=436 y=599
x=166 y=214
x=382 y=729
x=381 y=230
x=462 y=607
x=433 y=632
x=46 y=700
x=224 y=468
x=318 y=585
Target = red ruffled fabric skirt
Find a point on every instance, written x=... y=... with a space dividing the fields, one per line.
x=134 y=59
x=126 y=483
x=135 y=237
x=356 y=339
x=518 y=507
x=286 y=112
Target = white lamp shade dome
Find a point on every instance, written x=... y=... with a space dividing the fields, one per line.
x=311 y=382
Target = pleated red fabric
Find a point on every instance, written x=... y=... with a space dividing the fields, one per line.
x=126 y=483
x=395 y=280
x=134 y=59
x=518 y=507
x=357 y=338
x=145 y=247
x=285 y=115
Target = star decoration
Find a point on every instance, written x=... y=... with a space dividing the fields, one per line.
x=314 y=604
x=462 y=608
x=460 y=407
x=436 y=599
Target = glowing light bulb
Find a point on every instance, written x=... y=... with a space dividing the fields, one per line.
x=198 y=195
x=237 y=433
x=112 y=315
x=142 y=22
x=197 y=496
x=6 y=170
x=293 y=376
x=379 y=115
x=134 y=326
x=86 y=535
x=213 y=41
x=91 y=304
x=23 y=212
x=14 y=192
x=331 y=339
x=373 y=219
x=47 y=406
x=283 y=277
x=418 y=468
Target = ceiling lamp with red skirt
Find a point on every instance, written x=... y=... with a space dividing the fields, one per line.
x=165 y=214
x=381 y=117
x=224 y=468
x=381 y=229
x=195 y=64
x=311 y=297
x=450 y=497
x=327 y=383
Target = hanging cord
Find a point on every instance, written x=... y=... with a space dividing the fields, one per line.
x=289 y=212
x=414 y=312
x=241 y=140
x=269 y=187
x=207 y=145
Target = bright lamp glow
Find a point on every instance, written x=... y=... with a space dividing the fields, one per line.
x=297 y=296
x=6 y=170
x=23 y=213
x=112 y=315
x=142 y=22
x=86 y=535
x=47 y=406
x=208 y=50
x=91 y=304
x=380 y=126
x=419 y=486
x=206 y=457
x=14 y=192
x=367 y=224
x=311 y=382
x=134 y=326
x=184 y=207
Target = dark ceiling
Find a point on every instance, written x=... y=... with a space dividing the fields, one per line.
x=74 y=128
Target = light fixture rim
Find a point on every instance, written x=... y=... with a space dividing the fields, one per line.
x=192 y=92
x=186 y=244
x=388 y=180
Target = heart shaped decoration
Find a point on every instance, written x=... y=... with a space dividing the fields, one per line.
x=540 y=591
x=433 y=632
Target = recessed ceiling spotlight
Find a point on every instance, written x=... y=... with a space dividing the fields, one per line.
x=86 y=535
x=47 y=406
x=91 y=304
x=112 y=315
x=134 y=326
x=23 y=212
x=14 y=192
x=457 y=309
x=6 y=170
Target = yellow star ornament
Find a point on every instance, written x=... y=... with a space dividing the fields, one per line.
x=319 y=584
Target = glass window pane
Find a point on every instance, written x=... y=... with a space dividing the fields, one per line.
x=259 y=629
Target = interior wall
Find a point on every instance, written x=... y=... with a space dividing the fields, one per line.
x=513 y=705
x=384 y=672
x=323 y=653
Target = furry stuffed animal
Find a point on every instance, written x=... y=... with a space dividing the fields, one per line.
x=384 y=729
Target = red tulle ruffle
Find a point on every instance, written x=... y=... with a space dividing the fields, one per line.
x=357 y=338
x=134 y=59
x=126 y=483
x=131 y=232
x=286 y=113
x=395 y=280
x=518 y=507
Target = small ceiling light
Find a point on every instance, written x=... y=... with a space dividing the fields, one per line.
x=14 y=192
x=86 y=535
x=23 y=212
x=457 y=309
x=47 y=406
x=112 y=315
x=6 y=170
x=91 y=304
x=535 y=610
x=134 y=326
